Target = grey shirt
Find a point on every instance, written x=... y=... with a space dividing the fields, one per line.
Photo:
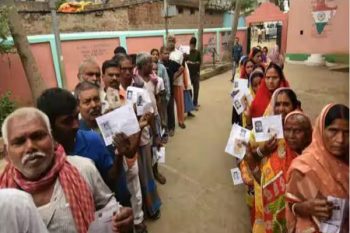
x=57 y=215
x=162 y=73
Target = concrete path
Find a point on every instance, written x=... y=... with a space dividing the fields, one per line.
x=199 y=195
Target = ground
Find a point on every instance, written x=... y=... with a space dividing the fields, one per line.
x=199 y=195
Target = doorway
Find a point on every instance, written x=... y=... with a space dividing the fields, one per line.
x=265 y=34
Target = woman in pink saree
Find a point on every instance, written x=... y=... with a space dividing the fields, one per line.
x=321 y=171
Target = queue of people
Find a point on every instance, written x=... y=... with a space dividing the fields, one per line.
x=292 y=182
x=56 y=151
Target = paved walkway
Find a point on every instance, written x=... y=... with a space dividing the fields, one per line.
x=199 y=195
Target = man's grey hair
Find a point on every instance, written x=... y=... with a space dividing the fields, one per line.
x=84 y=63
x=142 y=59
x=28 y=113
x=83 y=86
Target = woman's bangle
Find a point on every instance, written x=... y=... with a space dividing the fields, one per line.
x=256 y=169
x=260 y=154
x=293 y=209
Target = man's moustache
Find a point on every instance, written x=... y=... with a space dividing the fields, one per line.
x=29 y=156
x=95 y=112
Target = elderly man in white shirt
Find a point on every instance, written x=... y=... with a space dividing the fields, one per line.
x=178 y=83
x=18 y=213
x=65 y=190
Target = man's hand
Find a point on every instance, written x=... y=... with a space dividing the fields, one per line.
x=122 y=143
x=181 y=69
x=146 y=119
x=320 y=208
x=123 y=222
x=158 y=142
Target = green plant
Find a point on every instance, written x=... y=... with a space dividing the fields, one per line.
x=5 y=46
x=7 y=106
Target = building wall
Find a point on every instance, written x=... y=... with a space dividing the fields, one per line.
x=36 y=18
x=12 y=76
x=100 y=45
x=333 y=40
x=228 y=20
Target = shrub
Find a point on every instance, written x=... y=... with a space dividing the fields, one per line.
x=7 y=106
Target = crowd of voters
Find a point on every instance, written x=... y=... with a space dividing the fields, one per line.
x=291 y=182
x=61 y=176
x=56 y=152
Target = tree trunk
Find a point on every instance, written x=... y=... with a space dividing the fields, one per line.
x=235 y=20
x=201 y=16
x=20 y=40
x=227 y=54
x=166 y=18
x=234 y=25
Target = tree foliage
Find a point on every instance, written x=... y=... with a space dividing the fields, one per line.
x=247 y=6
x=5 y=47
x=7 y=106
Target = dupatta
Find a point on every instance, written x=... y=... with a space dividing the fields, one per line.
x=320 y=174
x=263 y=97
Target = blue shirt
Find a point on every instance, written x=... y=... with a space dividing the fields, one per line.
x=90 y=145
x=120 y=188
x=237 y=52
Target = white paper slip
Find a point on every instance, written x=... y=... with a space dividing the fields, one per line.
x=158 y=155
x=120 y=120
x=141 y=98
x=184 y=49
x=240 y=102
x=266 y=127
x=340 y=214
x=248 y=96
x=235 y=146
x=236 y=176
x=240 y=84
x=103 y=218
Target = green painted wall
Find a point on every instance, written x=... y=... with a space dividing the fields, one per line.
x=122 y=35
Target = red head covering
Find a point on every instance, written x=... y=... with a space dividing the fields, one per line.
x=263 y=97
x=243 y=72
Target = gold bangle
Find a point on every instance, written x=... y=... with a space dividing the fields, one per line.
x=293 y=209
x=260 y=154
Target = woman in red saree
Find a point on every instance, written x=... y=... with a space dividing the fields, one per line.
x=274 y=78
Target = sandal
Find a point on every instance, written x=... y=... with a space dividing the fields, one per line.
x=160 y=178
x=155 y=216
x=140 y=228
